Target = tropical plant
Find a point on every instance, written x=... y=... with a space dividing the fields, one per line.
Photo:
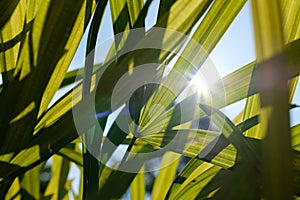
x=254 y=156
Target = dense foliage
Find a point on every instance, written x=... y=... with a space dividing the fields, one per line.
x=254 y=156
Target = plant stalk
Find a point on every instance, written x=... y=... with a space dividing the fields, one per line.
x=274 y=97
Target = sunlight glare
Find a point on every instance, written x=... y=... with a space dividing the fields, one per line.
x=198 y=85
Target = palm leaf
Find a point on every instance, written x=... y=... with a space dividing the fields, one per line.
x=14 y=190
x=26 y=109
x=138 y=186
x=29 y=190
x=58 y=186
x=166 y=174
x=191 y=179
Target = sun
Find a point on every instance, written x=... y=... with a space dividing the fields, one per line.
x=199 y=85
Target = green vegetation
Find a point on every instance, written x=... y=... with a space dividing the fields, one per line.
x=254 y=156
